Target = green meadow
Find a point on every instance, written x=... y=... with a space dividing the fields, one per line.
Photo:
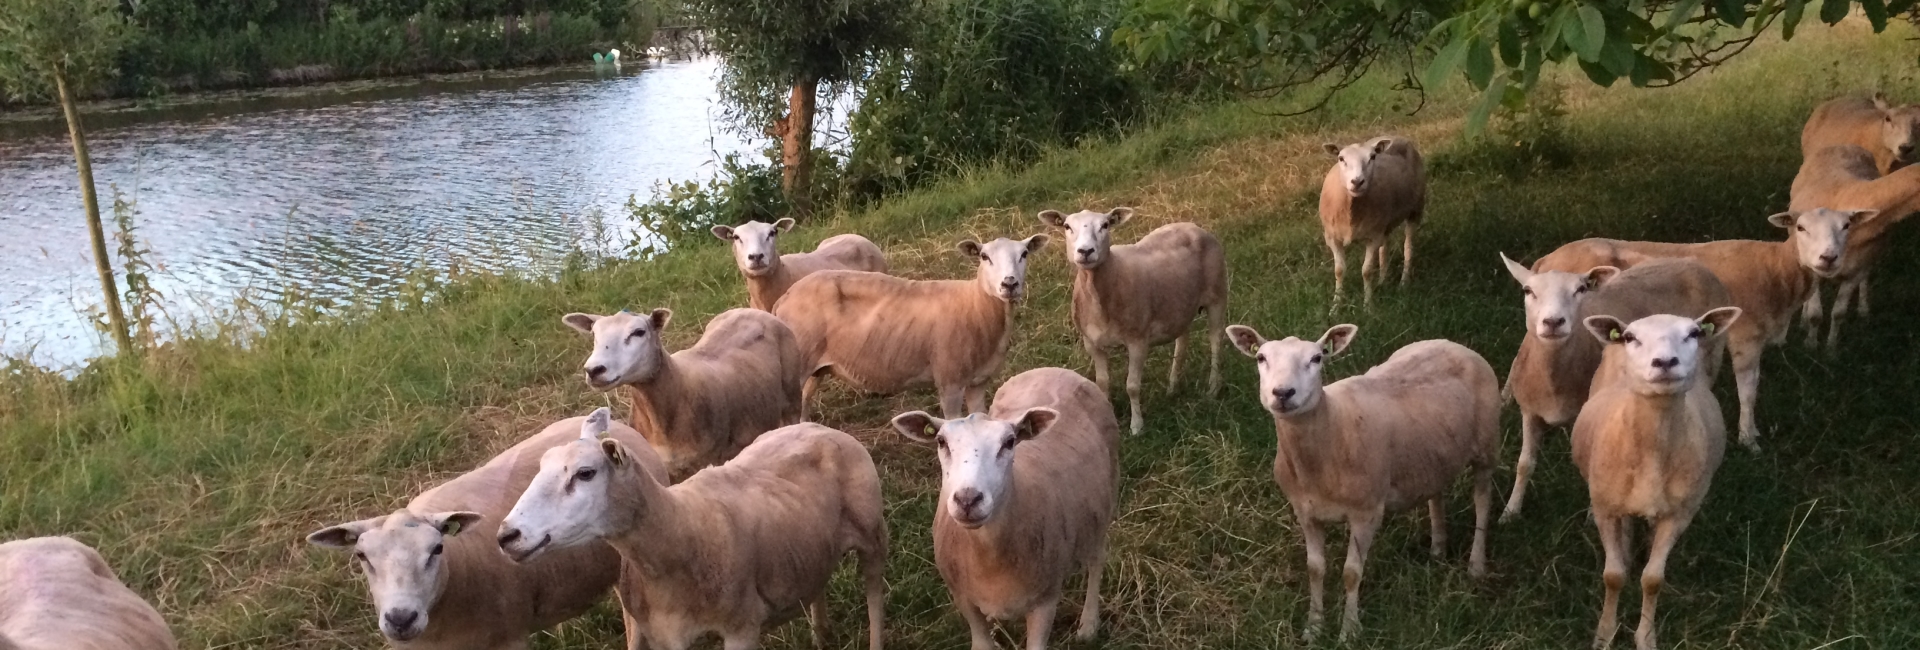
x=198 y=470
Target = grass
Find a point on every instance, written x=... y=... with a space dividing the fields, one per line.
x=198 y=472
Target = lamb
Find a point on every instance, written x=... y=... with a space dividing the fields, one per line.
x=1375 y=186
x=59 y=594
x=1647 y=442
x=1887 y=132
x=1393 y=437
x=701 y=405
x=1844 y=178
x=736 y=549
x=769 y=273
x=1143 y=294
x=436 y=578
x=1026 y=496
x=883 y=334
x=1553 y=371
x=1768 y=281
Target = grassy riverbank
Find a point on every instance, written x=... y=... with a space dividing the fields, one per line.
x=198 y=473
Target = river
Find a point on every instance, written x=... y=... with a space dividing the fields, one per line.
x=344 y=192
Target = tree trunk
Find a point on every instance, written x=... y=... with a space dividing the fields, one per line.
x=796 y=147
x=101 y=263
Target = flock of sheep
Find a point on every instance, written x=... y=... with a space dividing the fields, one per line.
x=723 y=511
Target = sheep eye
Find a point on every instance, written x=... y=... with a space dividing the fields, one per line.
x=637 y=334
x=1315 y=359
x=437 y=548
x=984 y=258
x=360 y=557
x=1008 y=445
x=1694 y=334
x=1527 y=291
x=1800 y=228
x=1628 y=338
x=1579 y=290
x=585 y=475
x=941 y=442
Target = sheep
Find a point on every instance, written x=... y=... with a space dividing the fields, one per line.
x=1393 y=437
x=883 y=334
x=1844 y=178
x=1886 y=132
x=1143 y=294
x=736 y=549
x=1373 y=187
x=1767 y=279
x=769 y=273
x=1553 y=372
x=1647 y=442
x=59 y=594
x=438 y=582
x=1027 y=495
x=701 y=405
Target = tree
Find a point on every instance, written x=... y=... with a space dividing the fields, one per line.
x=790 y=49
x=59 y=49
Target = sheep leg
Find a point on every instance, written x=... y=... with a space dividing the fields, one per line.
x=1098 y=354
x=1665 y=533
x=1136 y=366
x=953 y=400
x=1216 y=331
x=1339 y=269
x=976 y=398
x=817 y=619
x=1090 y=612
x=1368 y=273
x=631 y=600
x=1406 y=253
x=1482 y=520
x=1360 y=532
x=1860 y=293
x=1531 y=429
x=1437 y=518
x=978 y=628
x=806 y=396
x=1614 y=576
x=1810 y=316
x=1173 y=372
x=1746 y=378
x=1842 y=302
x=745 y=640
x=1040 y=622
x=1315 y=538
x=873 y=563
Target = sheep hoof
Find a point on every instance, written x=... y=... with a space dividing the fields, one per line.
x=1752 y=443
x=1508 y=515
x=1139 y=426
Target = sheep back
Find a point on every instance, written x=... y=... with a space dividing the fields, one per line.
x=884 y=334
x=741 y=379
x=59 y=594
x=1150 y=289
x=1398 y=194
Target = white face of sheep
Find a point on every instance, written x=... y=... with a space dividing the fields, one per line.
x=754 y=246
x=1899 y=128
x=1089 y=233
x=976 y=457
x=1820 y=235
x=626 y=346
x=1553 y=297
x=1290 y=369
x=1003 y=265
x=1662 y=351
x=401 y=555
x=567 y=502
x=1355 y=162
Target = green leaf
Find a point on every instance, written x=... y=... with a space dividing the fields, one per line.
x=1733 y=12
x=1554 y=26
x=1790 y=17
x=1767 y=7
x=1598 y=73
x=1617 y=56
x=1509 y=44
x=1479 y=63
x=1530 y=67
x=1444 y=63
x=1833 y=11
x=1642 y=71
x=1593 y=28
x=1898 y=7
x=1483 y=109
x=1682 y=12
x=1876 y=13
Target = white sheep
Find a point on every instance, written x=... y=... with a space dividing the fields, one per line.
x=1768 y=280
x=1362 y=446
x=59 y=594
x=1143 y=294
x=735 y=550
x=756 y=252
x=701 y=405
x=436 y=578
x=883 y=334
x=1844 y=178
x=1553 y=372
x=1026 y=497
x=1648 y=442
x=1372 y=188
x=1887 y=132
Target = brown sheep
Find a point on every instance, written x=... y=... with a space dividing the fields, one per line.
x=1887 y=132
x=756 y=252
x=1844 y=178
x=59 y=594
x=1373 y=187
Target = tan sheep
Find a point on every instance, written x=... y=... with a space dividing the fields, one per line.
x=1553 y=371
x=59 y=594
x=1360 y=447
x=1648 y=442
x=769 y=273
x=1373 y=187
x=1026 y=497
x=1768 y=282
x=1844 y=178
x=438 y=581
x=1143 y=294
x=735 y=550
x=1887 y=132
x=883 y=334
x=701 y=405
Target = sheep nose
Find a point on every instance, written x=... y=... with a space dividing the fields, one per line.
x=509 y=536
x=755 y=257
x=1905 y=150
x=966 y=499
x=1555 y=322
x=402 y=619
x=1283 y=394
x=1086 y=252
x=1010 y=284
x=1828 y=260
x=1666 y=364
x=596 y=371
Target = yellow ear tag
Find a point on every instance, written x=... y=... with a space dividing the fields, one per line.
x=1707 y=327
x=931 y=430
x=1613 y=335
x=453 y=528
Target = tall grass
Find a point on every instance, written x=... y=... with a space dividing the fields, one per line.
x=197 y=470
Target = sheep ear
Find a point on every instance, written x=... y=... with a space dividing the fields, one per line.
x=582 y=322
x=1600 y=275
x=1607 y=329
x=1381 y=144
x=918 y=426
x=1037 y=242
x=1783 y=219
x=344 y=535
x=1716 y=322
x=451 y=523
x=1034 y=422
x=1880 y=102
x=616 y=454
x=969 y=248
x=1337 y=338
x=1053 y=218
x=660 y=317
x=1520 y=273
x=596 y=423
x=724 y=232
x=1118 y=216
x=1331 y=149
x=1858 y=217
x=784 y=224
x=1246 y=339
